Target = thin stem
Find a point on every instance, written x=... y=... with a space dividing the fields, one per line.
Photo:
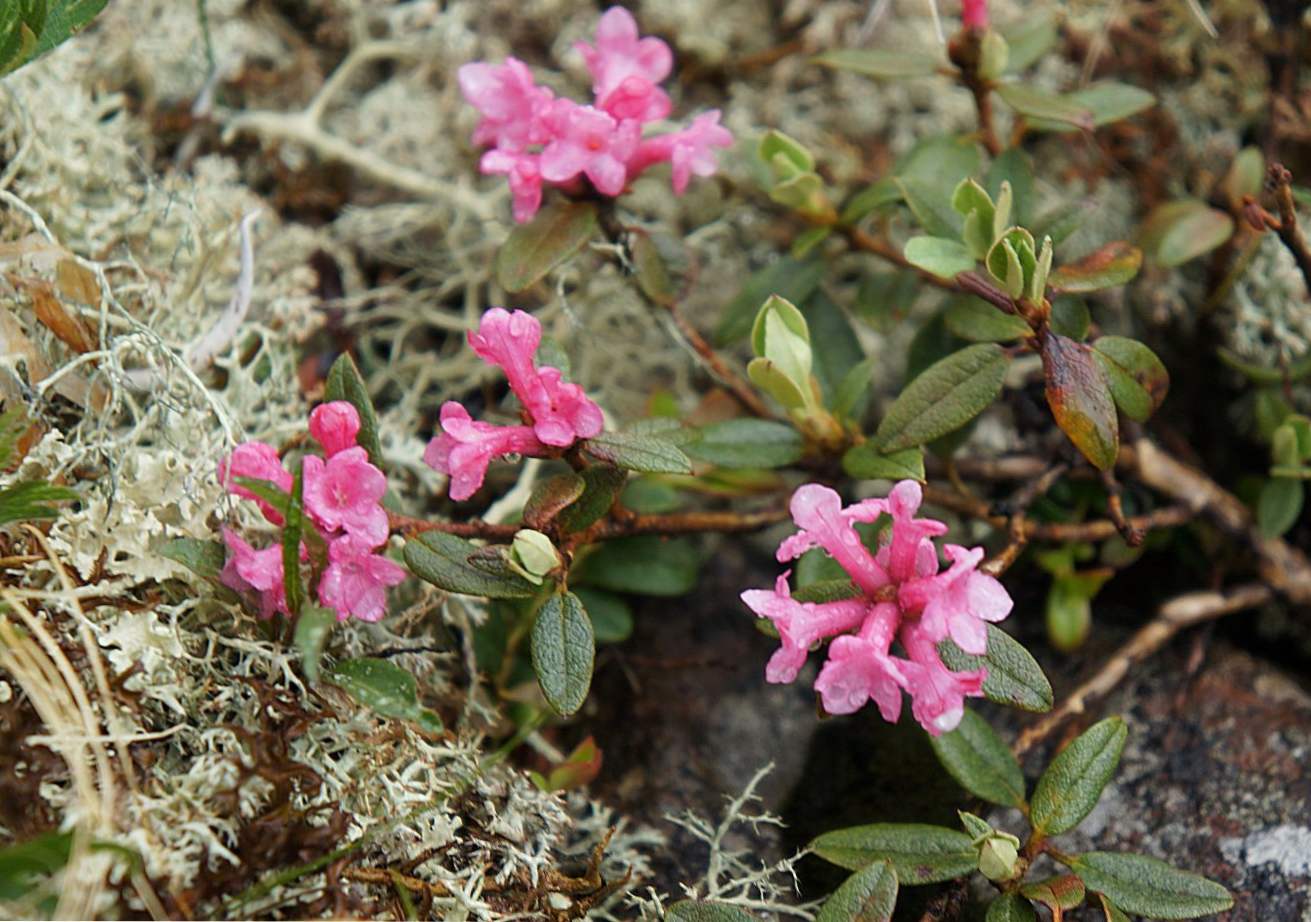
x=1287 y=228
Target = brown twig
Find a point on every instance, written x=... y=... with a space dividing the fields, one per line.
x=1016 y=508
x=715 y=364
x=1115 y=509
x=1284 y=567
x=1175 y=615
x=1280 y=180
x=474 y=528
x=674 y=523
x=1058 y=532
x=966 y=282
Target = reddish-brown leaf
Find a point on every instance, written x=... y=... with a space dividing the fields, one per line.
x=1113 y=264
x=70 y=330
x=1080 y=398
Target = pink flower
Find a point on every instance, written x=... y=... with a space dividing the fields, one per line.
x=800 y=624
x=344 y=492
x=335 y=426
x=588 y=141
x=464 y=448
x=561 y=413
x=355 y=581
x=904 y=598
x=525 y=176
x=625 y=69
x=937 y=694
x=512 y=105
x=974 y=14
x=250 y=570
x=688 y=151
x=257 y=461
x=859 y=668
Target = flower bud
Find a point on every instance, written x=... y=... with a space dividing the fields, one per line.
x=999 y=856
x=534 y=553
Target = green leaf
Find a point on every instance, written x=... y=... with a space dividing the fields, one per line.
x=345 y=383
x=642 y=565
x=893 y=65
x=1014 y=677
x=1246 y=175
x=827 y=590
x=1108 y=101
x=601 y=484
x=785 y=154
x=201 y=556
x=1073 y=782
x=939 y=158
x=534 y=249
x=872 y=197
x=313 y=628
x=1176 y=232
x=386 y=688
x=1068 y=613
x=1029 y=38
x=635 y=451
x=650 y=271
x=1137 y=378
x=865 y=463
x=1013 y=166
x=13 y=423
x=747 y=443
x=919 y=853
x=834 y=343
x=443 y=560
x=1010 y=907
x=706 y=911
x=869 y=895
x=978 y=321
x=1070 y=317
x=1113 y=264
x=28 y=500
x=852 y=397
x=949 y=394
x=611 y=616
x=1280 y=505
x=563 y=652
x=791 y=279
x=1064 y=891
x=294 y=514
x=30 y=28
x=1036 y=103
x=931 y=206
x=550 y=497
x=1150 y=887
x=977 y=757
x=1080 y=399
x=939 y=256
x=22 y=865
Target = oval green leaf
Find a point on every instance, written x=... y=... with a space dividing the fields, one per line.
x=643 y=565
x=869 y=895
x=707 y=911
x=746 y=443
x=313 y=628
x=978 y=321
x=863 y=462
x=1113 y=264
x=1279 y=505
x=534 y=249
x=637 y=451
x=550 y=497
x=940 y=256
x=1036 y=103
x=945 y=397
x=1010 y=907
x=1137 y=378
x=386 y=688
x=892 y=65
x=1064 y=891
x=1073 y=782
x=1176 y=232
x=1080 y=399
x=346 y=383
x=1108 y=101
x=1150 y=887
x=1014 y=677
x=563 y=650
x=919 y=853
x=601 y=484
x=981 y=761
x=443 y=560
x=611 y=616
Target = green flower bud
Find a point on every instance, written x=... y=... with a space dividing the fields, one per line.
x=999 y=857
x=534 y=553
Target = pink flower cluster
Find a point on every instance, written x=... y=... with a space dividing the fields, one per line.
x=538 y=138
x=557 y=413
x=341 y=495
x=974 y=14
x=903 y=597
